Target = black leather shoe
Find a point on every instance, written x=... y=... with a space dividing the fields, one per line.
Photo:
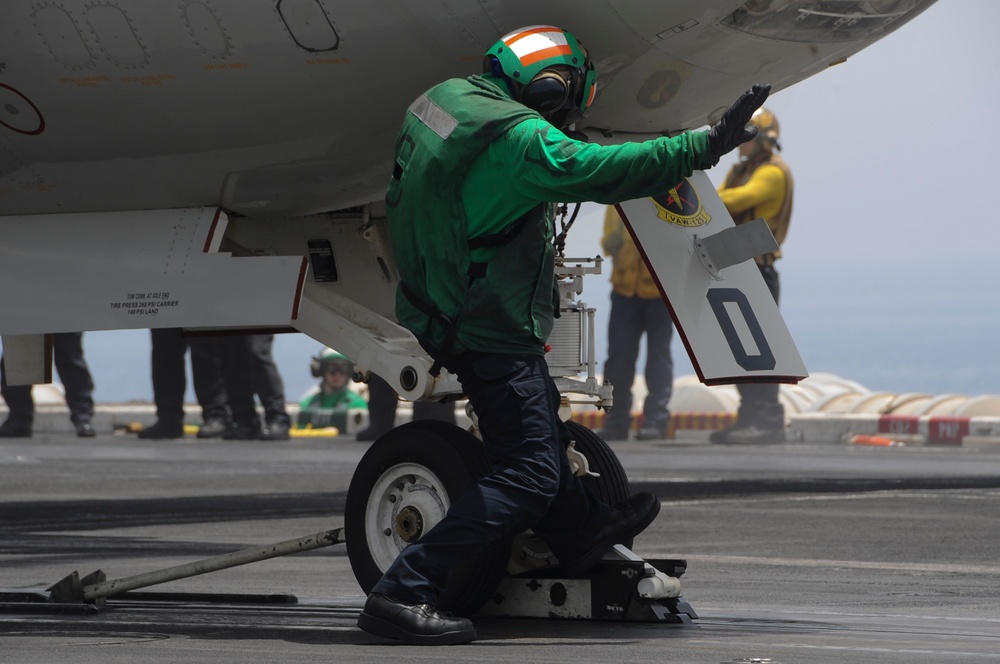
x=276 y=431
x=213 y=428
x=14 y=430
x=651 y=433
x=753 y=435
x=163 y=431
x=247 y=431
x=85 y=430
x=720 y=435
x=417 y=624
x=628 y=519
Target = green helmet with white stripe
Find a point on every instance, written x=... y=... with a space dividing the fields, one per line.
x=550 y=71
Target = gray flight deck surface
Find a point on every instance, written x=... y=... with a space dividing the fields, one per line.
x=796 y=554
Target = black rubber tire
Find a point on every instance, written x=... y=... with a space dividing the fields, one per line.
x=458 y=459
x=611 y=486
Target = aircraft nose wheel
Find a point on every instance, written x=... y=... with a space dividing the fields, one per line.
x=402 y=488
x=405 y=483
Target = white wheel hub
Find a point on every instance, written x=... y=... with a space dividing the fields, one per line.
x=406 y=501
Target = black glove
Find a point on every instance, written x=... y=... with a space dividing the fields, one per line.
x=731 y=130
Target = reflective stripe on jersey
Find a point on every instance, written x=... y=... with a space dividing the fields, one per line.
x=436 y=118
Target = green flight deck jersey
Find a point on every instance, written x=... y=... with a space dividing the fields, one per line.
x=323 y=409
x=470 y=211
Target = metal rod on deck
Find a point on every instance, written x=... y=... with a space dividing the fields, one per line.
x=213 y=564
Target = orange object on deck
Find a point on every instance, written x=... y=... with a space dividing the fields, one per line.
x=878 y=441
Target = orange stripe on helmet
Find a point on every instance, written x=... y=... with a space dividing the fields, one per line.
x=510 y=39
x=590 y=98
x=545 y=54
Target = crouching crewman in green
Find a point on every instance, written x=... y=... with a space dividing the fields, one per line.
x=479 y=163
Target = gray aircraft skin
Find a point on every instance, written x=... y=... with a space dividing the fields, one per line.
x=142 y=145
x=284 y=108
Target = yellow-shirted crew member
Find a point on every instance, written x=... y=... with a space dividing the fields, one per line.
x=760 y=185
x=636 y=309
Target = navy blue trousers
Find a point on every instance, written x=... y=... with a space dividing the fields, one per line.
x=248 y=369
x=630 y=318
x=67 y=355
x=531 y=486
x=169 y=347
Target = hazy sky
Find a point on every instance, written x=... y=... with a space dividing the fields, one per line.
x=891 y=275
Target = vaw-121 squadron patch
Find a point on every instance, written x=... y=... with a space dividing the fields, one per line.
x=682 y=206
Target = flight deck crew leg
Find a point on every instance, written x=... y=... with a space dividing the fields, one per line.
x=21 y=409
x=169 y=383
x=532 y=484
x=382 y=403
x=209 y=388
x=269 y=387
x=659 y=370
x=67 y=351
x=759 y=403
x=237 y=373
x=624 y=335
x=67 y=354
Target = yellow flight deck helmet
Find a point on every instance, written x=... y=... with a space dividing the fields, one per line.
x=767 y=126
x=550 y=71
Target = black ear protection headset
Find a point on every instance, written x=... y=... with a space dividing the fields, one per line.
x=550 y=90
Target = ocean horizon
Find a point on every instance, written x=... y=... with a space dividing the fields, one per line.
x=888 y=336
x=892 y=321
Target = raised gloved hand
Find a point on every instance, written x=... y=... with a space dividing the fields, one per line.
x=731 y=130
